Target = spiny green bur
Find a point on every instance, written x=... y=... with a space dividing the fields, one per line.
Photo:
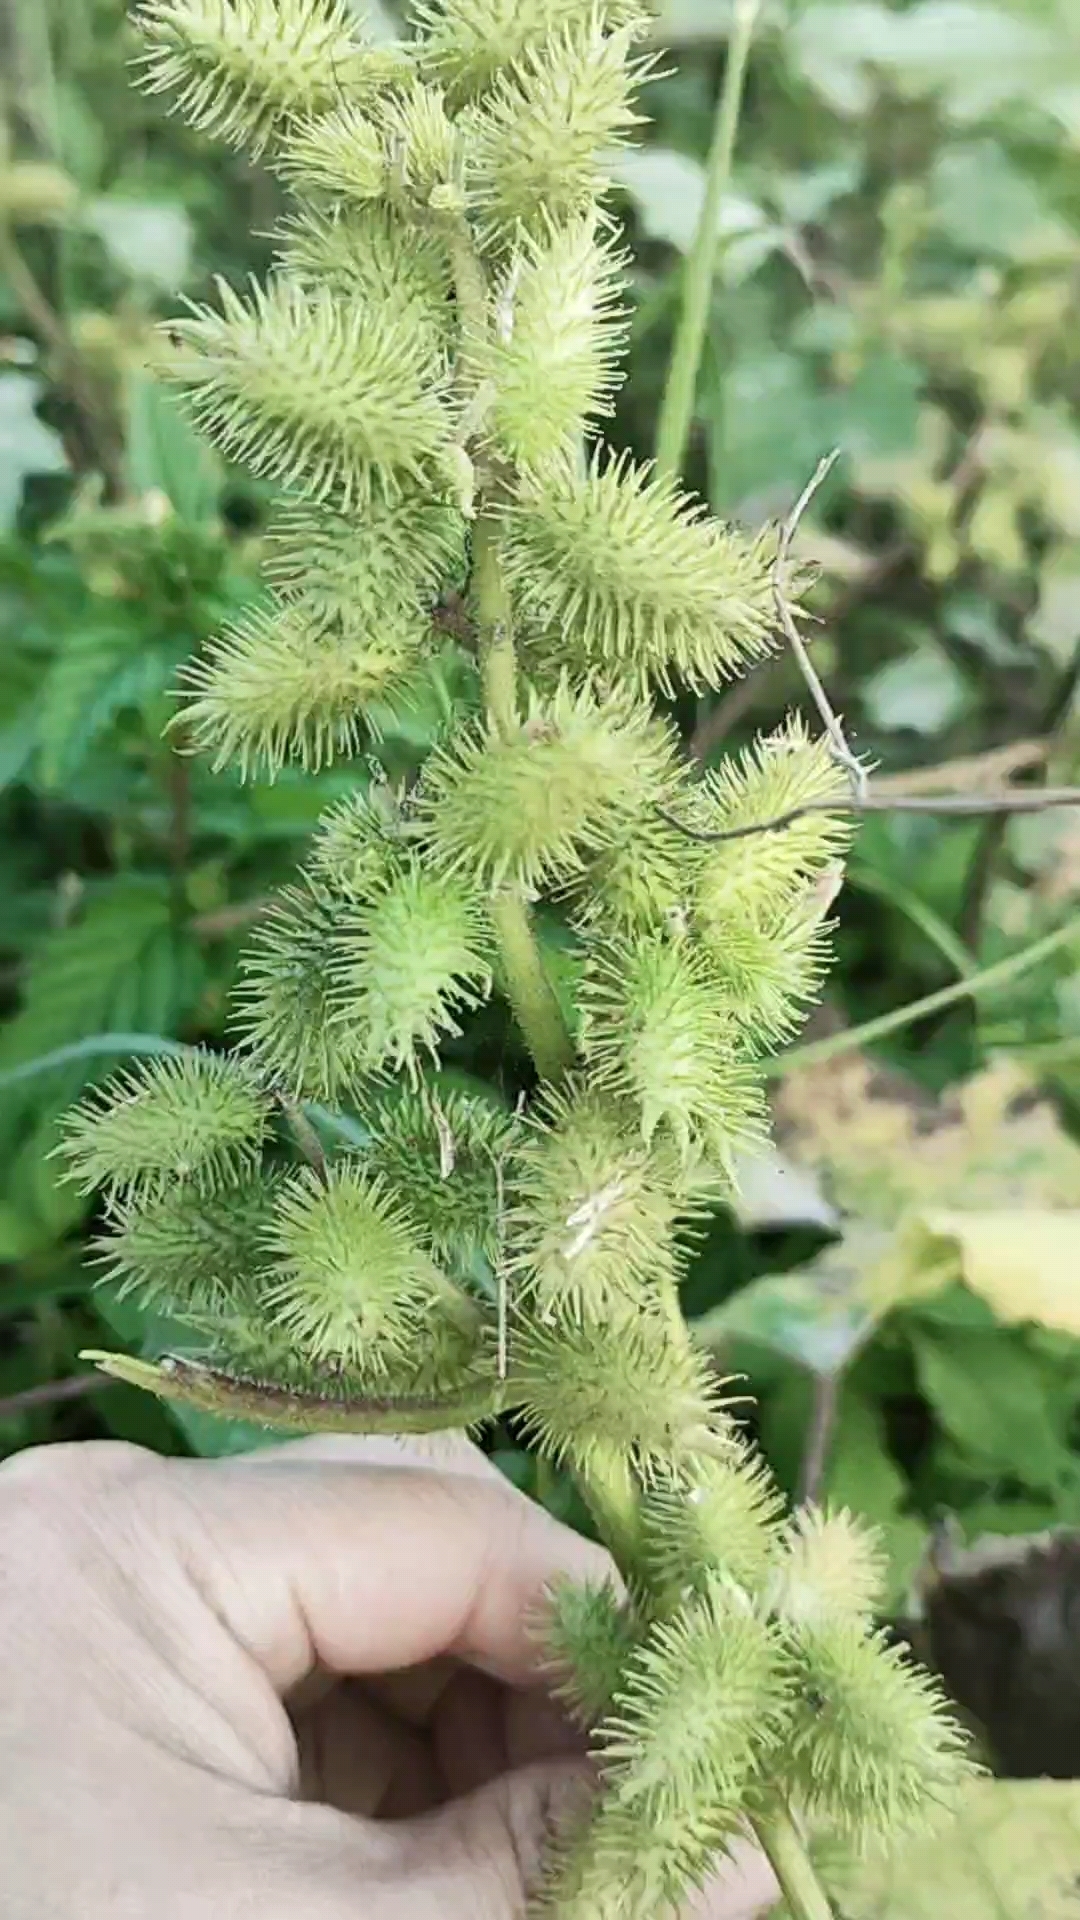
x=422 y=375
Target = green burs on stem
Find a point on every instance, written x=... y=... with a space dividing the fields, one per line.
x=699 y=1698
x=617 y=1392
x=552 y=354
x=245 y=72
x=772 y=870
x=286 y=1006
x=334 y=400
x=188 y=1253
x=450 y=1152
x=198 y=1117
x=395 y=556
x=441 y=332
x=588 y=1636
x=374 y=256
x=284 y=684
x=467 y=45
x=341 y=155
x=718 y=1516
x=529 y=805
x=592 y=1227
x=408 y=962
x=830 y=1565
x=656 y=1031
x=619 y=571
x=540 y=134
x=871 y=1750
x=348 y=1279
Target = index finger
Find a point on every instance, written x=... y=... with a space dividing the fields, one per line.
x=367 y=1569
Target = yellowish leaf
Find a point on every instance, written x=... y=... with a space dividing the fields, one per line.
x=1025 y=1263
x=1012 y=1854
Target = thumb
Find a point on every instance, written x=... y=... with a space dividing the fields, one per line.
x=481 y=1857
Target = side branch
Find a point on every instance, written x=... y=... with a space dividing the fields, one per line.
x=959 y=805
x=232 y=1397
x=841 y=752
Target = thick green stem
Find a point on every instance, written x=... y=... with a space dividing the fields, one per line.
x=612 y=1498
x=528 y=987
x=494 y=621
x=677 y=410
x=789 y=1861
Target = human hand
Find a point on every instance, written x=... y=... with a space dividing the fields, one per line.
x=298 y=1686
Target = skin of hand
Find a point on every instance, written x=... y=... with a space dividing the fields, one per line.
x=299 y=1685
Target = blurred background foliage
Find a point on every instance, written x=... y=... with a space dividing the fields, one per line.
x=899 y=279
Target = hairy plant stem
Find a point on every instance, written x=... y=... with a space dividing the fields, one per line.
x=789 y=1861
x=530 y=991
x=212 y=1391
x=611 y=1495
x=677 y=409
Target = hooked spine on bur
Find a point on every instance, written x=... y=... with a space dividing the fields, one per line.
x=422 y=375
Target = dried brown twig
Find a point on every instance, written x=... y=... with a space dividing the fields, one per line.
x=838 y=746
x=885 y=798
x=960 y=805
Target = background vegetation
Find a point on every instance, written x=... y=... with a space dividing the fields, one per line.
x=900 y=279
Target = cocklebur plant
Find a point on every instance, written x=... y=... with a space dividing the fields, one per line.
x=422 y=376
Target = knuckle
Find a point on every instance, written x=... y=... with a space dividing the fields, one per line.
x=50 y=1495
x=72 y=1467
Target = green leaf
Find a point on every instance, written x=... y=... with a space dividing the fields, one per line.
x=1011 y=1855
x=772 y=1192
x=818 y=1316
x=667 y=189
x=1055 y=624
x=166 y=455
x=84 y=979
x=982 y=203
x=1023 y=1261
x=768 y=428
x=861 y=1472
x=975 y=56
x=149 y=240
x=94 y=675
x=989 y=1393
x=112 y=1046
x=921 y=693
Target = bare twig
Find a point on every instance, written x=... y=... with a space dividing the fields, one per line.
x=819 y=1433
x=221 y=921
x=971 y=773
x=715 y=725
x=992 y=838
x=50 y=328
x=53 y=1394
x=960 y=805
x=841 y=752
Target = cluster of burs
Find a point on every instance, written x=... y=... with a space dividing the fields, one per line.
x=421 y=376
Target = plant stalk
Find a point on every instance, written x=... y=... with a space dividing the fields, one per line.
x=788 y=1859
x=677 y=409
x=530 y=991
x=612 y=1499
